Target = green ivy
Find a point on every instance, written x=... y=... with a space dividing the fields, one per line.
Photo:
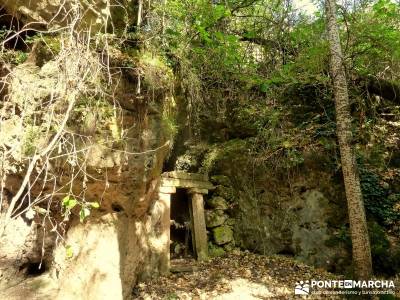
x=385 y=261
x=378 y=203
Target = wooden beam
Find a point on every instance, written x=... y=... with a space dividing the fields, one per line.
x=199 y=226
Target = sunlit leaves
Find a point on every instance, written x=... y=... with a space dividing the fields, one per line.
x=375 y=36
x=69 y=203
x=217 y=39
x=94 y=204
x=84 y=213
x=69 y=252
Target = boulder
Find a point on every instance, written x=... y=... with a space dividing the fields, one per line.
x=215 y=218
x=218 y=203
x=215 y=251
x=222 y=235
x=230 y=222
x=229 y=246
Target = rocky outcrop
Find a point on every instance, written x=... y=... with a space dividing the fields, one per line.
x=222 y=235
x=296 y=217
x=218 y=203
x=56 y=13
x=300 y=216
x=215 y=218
x=95 y=227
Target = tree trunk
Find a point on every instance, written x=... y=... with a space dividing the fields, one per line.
x=358 y=223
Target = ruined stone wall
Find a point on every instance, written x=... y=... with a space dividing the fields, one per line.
x=219 y=216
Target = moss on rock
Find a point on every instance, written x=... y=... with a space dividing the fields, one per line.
x=222 y=235
x=224 y=192
x=215 y=218
x=229 y=247
x=215 y=251
x=218 y=203
x=221 y=180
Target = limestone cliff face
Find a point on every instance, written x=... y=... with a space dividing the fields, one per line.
x=107 y=159
x=57 y=13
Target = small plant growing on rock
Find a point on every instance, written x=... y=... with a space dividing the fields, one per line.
x=69 y=203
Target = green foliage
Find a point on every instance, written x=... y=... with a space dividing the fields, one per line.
x=172 y=296
x=170 y=126
x=375 y=35
x=385 y=260
x=21 y=57
x=4 y=32
x=69 y=252
x=69 y=203
x=31 y=137
x=51 y=41
x=197 y=31
x=378 y=204
x=84 y=213
x=294 y=158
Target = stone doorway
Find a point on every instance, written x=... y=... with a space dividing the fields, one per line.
x=181 y=244
x=189 y=187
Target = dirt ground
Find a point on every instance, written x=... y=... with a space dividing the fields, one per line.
x=239 y=276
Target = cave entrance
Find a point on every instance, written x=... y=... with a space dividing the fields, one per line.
x=181 y=194
x=13 y=32
x=181 y=245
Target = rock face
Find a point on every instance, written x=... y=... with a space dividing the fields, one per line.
x=310 y=229
x=218 y=203
x=56 y=13
x=268 y=213
x=215 y=218
x=222 y=235
x=109 y=254
x=21 y=249
x=96 y=256
x=297 y=218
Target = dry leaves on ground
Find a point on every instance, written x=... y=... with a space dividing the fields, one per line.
x=242 y=276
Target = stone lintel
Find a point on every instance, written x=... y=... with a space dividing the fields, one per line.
x=184 y=175
x=197 y=191
x=186 y=183
x=167 y=189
